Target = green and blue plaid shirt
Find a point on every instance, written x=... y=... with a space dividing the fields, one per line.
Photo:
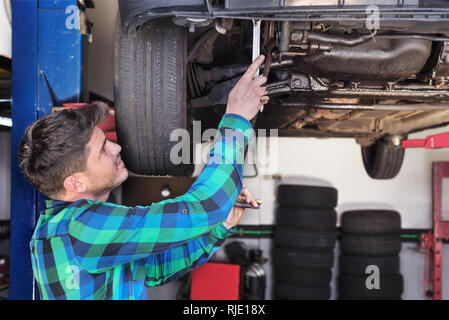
x=96 y=250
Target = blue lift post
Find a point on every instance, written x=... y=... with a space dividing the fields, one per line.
x=42 y=43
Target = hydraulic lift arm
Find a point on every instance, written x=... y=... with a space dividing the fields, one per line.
x=440 y=140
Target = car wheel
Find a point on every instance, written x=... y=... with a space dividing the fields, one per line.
x=382 y=160
x=371 y=222
x=283 y=291
x=369 y=245
x=391 y=285
x=301 y=196
x=302 y=276
x=307 y=219
x=357 y=265
x=303 y=258
x=312 y=240
x=150 y=97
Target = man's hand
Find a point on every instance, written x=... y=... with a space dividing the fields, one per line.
x=245 y=196
x=248 y=95
x=236 y=213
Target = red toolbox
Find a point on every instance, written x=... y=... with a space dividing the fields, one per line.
x=215 y=281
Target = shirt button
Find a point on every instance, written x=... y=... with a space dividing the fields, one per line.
x=184 y=211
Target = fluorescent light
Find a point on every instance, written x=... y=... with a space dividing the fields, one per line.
x=7 y=122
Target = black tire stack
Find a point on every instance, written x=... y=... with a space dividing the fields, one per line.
x=304 y=241
x=370 y=238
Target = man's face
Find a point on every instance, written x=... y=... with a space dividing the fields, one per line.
x=105 y=169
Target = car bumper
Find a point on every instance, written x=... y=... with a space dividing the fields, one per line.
x=432 y=16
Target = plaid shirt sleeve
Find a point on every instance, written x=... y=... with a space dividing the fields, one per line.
x=174 y=263
x=105 y=235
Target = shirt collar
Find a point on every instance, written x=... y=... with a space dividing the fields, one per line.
x=54 y=206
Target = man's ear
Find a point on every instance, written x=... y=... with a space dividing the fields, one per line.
x=75 y=184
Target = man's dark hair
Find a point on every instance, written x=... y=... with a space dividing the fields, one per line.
x=54 y=147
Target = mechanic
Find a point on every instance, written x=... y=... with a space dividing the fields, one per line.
x=86 y=248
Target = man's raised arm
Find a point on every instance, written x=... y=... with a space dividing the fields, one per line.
x=109 y=234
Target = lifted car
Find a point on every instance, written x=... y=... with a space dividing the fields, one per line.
x=331 y=74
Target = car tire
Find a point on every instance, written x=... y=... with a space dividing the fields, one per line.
x=378 y=245
x=307 y=218
x=371 y=222
x=307 y=196
x=354 y=286
x=283 y=291
x=303 y=258
x=310 y=240
x=357 y=265
x=150 y=97
x=342 y=297
x=382 y=160
x=302 y=276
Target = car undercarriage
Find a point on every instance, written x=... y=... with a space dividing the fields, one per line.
x=336 y=82
x=329 y=74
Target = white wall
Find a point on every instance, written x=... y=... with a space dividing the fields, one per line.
x=101 y=50
x=338 y=162
x=5 y=174
x=5 y=30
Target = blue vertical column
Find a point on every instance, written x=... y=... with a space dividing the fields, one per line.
x=24 y=112
x=44 y=41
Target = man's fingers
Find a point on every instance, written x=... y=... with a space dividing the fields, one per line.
x=249 y=74
x=262 y=91
x=264 y=100
x=247 y=195
x=260 y=80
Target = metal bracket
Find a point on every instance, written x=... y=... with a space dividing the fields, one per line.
x=433 y=240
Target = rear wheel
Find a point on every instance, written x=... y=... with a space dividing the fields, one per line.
x=150 y=98
x=382 y=160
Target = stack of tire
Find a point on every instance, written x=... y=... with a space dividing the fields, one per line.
x=369 y=263
x=304 y=241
